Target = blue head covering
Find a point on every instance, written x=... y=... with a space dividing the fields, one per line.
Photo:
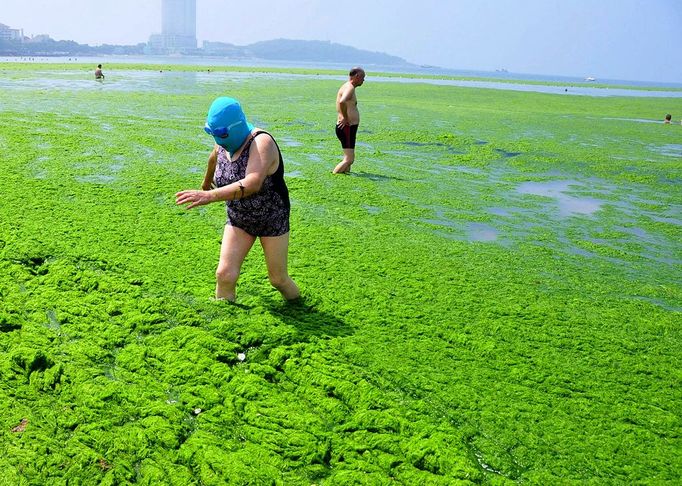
x=225 y=117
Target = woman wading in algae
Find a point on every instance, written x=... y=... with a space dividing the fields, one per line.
x=248 y=170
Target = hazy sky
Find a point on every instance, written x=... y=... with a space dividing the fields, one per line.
x=618 y=39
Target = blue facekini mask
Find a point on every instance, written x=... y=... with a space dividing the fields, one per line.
x=227 y=124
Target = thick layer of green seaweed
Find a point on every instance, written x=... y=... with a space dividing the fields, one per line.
x=458 y=325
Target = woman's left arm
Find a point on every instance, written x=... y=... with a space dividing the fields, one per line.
x=210 y=170
x=262 y=162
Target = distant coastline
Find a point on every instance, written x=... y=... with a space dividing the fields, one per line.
x=271 y=50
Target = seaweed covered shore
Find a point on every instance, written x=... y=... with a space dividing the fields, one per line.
x=492 y=296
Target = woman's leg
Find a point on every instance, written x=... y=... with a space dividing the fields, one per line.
x=276 y=251
x=236 y=244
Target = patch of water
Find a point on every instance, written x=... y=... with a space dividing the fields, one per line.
x=425 y=144
x=399 y=153
x=569 y=247
x=290 y=142
x=658 y=302
x=150 y=153
x=568 y=205
x=465 y=169
x=412 y=155
x=538 y=88
x=638 y=120
x=374 y=177
x=449 y=148
x=649 y=254
x=466 y=231
x=295 y=174
x=639 y=232
x=507 y=154
x=481 y=232
x=96 y=179
x=442 y=222
x=374 y=210
x=314 y=157
x=500 y=212
x=669 y=150
x=662 y=219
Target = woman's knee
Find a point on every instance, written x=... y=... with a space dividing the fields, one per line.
x=279 y=280
x=227 y=274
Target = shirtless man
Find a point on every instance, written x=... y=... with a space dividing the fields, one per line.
x=348 y=118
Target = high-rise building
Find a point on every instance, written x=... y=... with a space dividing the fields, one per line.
x=7 y=33
x=178 y=28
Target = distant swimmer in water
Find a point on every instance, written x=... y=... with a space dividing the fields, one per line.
x=348 y=118
x=668 y=118
x=98 y=72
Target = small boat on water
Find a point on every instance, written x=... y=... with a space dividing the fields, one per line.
x=590 y=78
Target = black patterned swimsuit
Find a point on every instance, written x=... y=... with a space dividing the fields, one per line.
x=265 y=213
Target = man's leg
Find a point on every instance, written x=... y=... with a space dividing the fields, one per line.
x=236 y=244
x=276 y=251
x=343 y=167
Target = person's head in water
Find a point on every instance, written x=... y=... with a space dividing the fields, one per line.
x=357 y=76
x=227 y=123
x=668 y=117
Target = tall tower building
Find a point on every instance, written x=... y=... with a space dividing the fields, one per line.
x=180 y=19
x=178 y=28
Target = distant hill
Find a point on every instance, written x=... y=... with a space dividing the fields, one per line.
x=50 y=47
x=277 y=49
x=317 y=51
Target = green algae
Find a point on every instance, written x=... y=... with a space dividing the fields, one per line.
x=417 y=356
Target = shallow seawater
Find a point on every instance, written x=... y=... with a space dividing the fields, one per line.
x=669 y=150
x=97 y=178
x=482 y=232
x=557 y=190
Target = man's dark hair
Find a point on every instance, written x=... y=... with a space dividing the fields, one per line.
x=99 y=66
x=668 y=116
x=355 y=71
